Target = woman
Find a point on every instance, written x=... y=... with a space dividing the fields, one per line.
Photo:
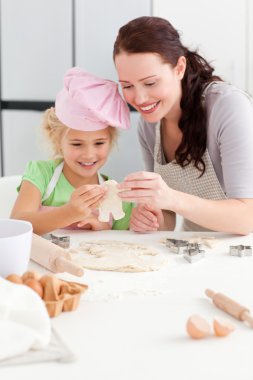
x=196 y=134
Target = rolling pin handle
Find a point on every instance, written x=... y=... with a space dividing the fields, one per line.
x=65 y=265
x=210 y=293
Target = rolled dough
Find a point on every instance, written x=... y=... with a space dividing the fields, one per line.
x=119 y=256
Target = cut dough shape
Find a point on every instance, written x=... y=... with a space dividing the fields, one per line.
x=119 y=256
x=112 y=204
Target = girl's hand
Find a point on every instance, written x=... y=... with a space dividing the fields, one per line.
x=92 y=223
x=146 y=187
x=146 y=218
x=85 y=199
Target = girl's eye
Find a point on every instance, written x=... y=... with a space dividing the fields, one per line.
x=76 y=144
x=126 y=87
x=100 y=143
x=150 y=84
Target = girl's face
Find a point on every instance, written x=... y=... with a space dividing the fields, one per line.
x=84 y=153
x=151 y=86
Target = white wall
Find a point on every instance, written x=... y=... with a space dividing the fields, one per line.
x=126 y=156
x=250 y=45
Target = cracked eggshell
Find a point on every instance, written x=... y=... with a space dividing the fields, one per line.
x=222 y=326
x=197 y=327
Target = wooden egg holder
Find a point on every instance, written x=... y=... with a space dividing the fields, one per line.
x=58 y=295
x=61 y=295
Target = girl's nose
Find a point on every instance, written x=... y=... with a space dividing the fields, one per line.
x=88 y=153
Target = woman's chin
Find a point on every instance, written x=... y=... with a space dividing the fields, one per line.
x=151 y=118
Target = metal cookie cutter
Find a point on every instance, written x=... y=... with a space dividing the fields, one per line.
x=176 y=246
x=240 y=250
x=62 y=241
x=193 y=253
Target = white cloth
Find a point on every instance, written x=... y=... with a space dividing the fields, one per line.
x=24 y=321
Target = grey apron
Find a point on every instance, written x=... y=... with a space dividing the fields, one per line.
x=187 y=179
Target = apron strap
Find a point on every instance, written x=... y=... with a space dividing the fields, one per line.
x=53 y=181
x=101 y=178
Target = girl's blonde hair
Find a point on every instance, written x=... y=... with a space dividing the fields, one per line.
x=54 y=130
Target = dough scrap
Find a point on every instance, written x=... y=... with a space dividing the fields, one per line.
x=112 y=204
x=119 y=256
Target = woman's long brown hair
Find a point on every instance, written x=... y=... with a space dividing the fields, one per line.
x=157 y=35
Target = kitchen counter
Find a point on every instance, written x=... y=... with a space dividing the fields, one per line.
x=131 y=326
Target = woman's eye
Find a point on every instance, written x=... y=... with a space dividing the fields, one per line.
x=77 y=144
x=100 y=143
x=150 y=84
x=126 y=87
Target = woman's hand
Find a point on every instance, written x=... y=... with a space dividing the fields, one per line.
x=146 y=218
x=146 y=187
x=84 y=200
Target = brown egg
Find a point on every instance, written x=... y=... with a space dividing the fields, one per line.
x=35 y=285
x=222 y=326
x=15 y=278
x=31 y=274
x=197 y=327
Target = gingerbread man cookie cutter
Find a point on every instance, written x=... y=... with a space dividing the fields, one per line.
x=62 y=241
x=193 y=253
x=176 y=245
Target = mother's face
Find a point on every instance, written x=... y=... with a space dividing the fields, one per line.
x=151 y=86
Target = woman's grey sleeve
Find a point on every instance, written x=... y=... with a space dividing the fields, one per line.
x=232 y=121
x=146 y=134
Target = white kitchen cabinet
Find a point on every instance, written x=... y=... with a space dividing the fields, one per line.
x=22 y=140
x=36 y=47
x=219 y=29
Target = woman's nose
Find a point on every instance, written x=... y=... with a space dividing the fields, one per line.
x=140 y=97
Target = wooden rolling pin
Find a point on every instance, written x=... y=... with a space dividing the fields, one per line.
x=53 y=257
x=230 y=306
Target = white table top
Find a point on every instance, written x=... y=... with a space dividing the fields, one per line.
x=131 y=326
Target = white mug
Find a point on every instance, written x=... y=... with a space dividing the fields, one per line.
x=15 y=246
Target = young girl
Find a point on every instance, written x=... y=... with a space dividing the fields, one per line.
x=82 y=128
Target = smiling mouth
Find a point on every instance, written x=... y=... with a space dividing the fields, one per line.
x=87 y=164
x=149 y=108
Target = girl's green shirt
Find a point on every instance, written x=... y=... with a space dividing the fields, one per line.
x=39 y=173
